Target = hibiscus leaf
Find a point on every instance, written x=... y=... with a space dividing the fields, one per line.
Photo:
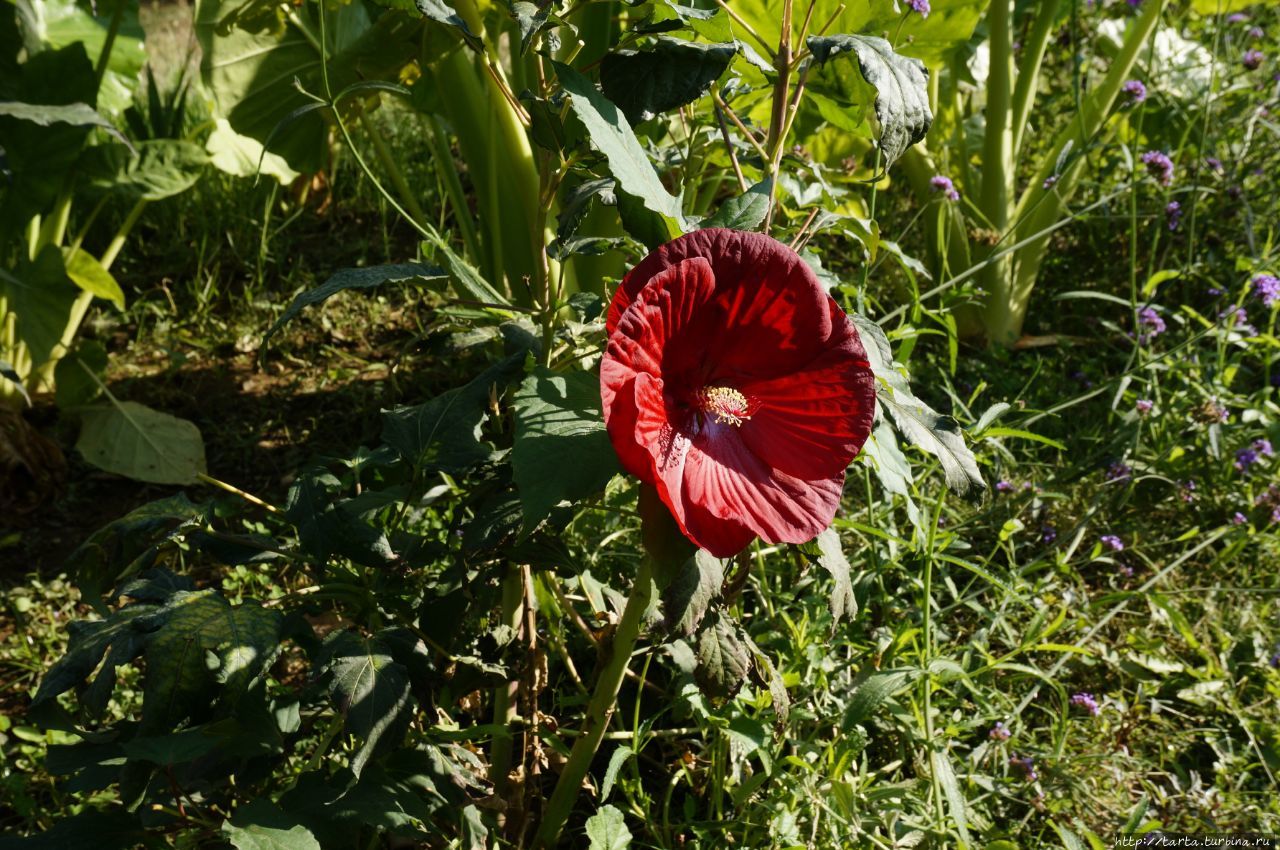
x=744 y=212
x=645 y=83
x=366 y=278
x=692 y=591
x=260 y=825
x=825 y=551
x=325 y=530
x=765 y=674
x=723 y=661
x=610 y=133
x=901 y=86
x=371 y=690
x=561 y=450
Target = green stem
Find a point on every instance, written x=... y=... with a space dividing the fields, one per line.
x=113 y=29
x=599 y=710
x=1033 y=50
x=388 y=162
x=442 y=159
x=504 y=709
x=117 y=242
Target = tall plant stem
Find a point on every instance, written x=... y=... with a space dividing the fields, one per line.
x=1033 y=50
x=504 y=708
x=778 y=118
x=599 y=710
x=108 y=44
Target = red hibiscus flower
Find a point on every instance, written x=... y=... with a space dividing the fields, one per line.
x=735 y=386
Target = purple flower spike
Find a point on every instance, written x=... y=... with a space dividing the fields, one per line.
x=1136 y=91
x=1252 y=59
x=1256 y=33
x=1173 y=214
x=999 y=732
x=945 y=186
x=1237 y=18
x=1118 y=471
x=1144 y=405
x=1087 y=702
x=1238 y=518
x=1214 y=163
x=1112 y=541
x=1267 y=288
x=1048 y=533
x=1159 y=166
x=1025 y=765
x=1003 y=486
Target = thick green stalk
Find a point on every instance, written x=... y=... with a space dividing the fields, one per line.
x=1039 y=208
x=599 y=710
x=1033 y=50
x=998 y=170
x=113 y=29
x=504 y=709
x=442 y=160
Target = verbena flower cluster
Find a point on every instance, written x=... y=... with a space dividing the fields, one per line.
x=1087 y=702
x=1267 y=288
x=945 y=186
x=1159 y=166
x=1136 y=91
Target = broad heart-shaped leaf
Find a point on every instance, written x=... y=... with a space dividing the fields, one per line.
x=723 y=658
x=607 y=830
x=610 y=134
x=325 y=529
x=561 y=449
x=846 y=62
x=261 y=825
x=196 y=626
x=825 y=550
x=137 y=442
x=744 y=212
x=87 y=273
x=930 y=431
x=241 y=156
x=445 y=433
x=365 y=278
x=371 y=690
x=646 y=83
x=41 y=296
x=250 y=66
x=158 y=169
x=691 y=592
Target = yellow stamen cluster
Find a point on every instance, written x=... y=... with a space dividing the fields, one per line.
x=726 y=404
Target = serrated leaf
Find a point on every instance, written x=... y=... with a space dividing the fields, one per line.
x=872 y=691
x=365 y=278
x=561 y=449
x=827 y=552
x=670 y=74
x=691 y=592
x=371 y=690
x=901 y=86
x=765 y=674
x=325 y=530
x=89 y=644
x=723 y=661
x=529 y=18
x=261 y=825
x=744 y=212
x=607 y=830
x=610 y=134
x=616 y=761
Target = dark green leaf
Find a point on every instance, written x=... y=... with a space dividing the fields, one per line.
x=261 y=825
x=871 y=692
x=561 y=449
x=89 y=830
x=371 y=690
x=723 y=660
x=530 y=18
x=744 y=212
x=901 y=86
x=645 y=83
x=158 y=169
x=365 y=278
x=691 y=592
x=324 y=530
x=443 y=13
x=44 y=114
x=825 y=550
x=40 y=297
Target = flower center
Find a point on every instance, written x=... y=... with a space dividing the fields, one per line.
x=727 y=405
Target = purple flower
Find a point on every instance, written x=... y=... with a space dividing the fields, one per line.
x=1267 y=287
x=1237 y=18
x=1048 y=533
x=945 y=186
x=1144 y=405
x=1136 y=90
x=1263 y=447
x=1216 y=292
x=1151 y=325
x=1256 y=33
x=1173 y=214
x=1112 y=541
x=1118 y=471
x=1124 y=569
x=999 y=732
x=1245 y=458
x=1238 y=518
x=921 y=6
x=1275 y=659
x=1214 y=163
x=1050 y=181
x=1133 y=4
x=1087 y=702
x=1188 y=491
x=1025 y=765
x=1252 y=59
x=1238 y=317
x=1003 y=486
x=1159 y=166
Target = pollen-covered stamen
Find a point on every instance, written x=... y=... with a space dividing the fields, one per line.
x=727 y=405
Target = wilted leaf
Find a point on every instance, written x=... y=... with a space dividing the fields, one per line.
x=561 y=450
x=645 y=83
x=825 y=550
x=723 y=661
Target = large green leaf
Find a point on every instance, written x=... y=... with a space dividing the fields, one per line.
x=159 y=169
x=645 y=83
x=241 y=156
x=45 y=115
x=371 y=689
x=744 y=212
x=691 y=592
x=846 y=64
x=325 y=529
x=86 y=272
x=250 y=66
x=610 y=134
x=137 y=442
x=41 y=296
x=723 y=658
x=607 y=830
x=261 y=825
x=561 y=449
x=365 y=278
